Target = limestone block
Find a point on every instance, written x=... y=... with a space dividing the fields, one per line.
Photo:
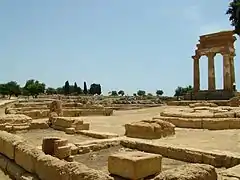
x=49 y=167
x=70 y=130
x=8 y=142
x=58 y=143
x=84 y=126
x=213 y=124
x=69 y=159
x=224 y=115
x=14 y=171
x=26 y=156
x=62 y=152
x=63 y=122
x=149 y=129
x=74 y=149
x=56 y=106
x=84 y=149
x=20 y=128
x=189 y=172
x=59 y=128
x=48 y=145
x=39 y=124
x=134 y=165
x=8 y=128
x=3 y=162
x=28 y=176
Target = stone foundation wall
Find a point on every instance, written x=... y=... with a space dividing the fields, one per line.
x=210 y=95
x=44 y=113
x=186 y=103
x=19 y=158
x=215 y=158
x=206 y=123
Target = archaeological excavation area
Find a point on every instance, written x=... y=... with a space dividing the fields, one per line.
x=45 y=139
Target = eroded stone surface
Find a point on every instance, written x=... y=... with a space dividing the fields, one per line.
x=149 y=129
x=189 y=172
x=134 y=165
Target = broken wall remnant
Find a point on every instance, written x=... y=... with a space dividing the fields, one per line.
x=149 y=129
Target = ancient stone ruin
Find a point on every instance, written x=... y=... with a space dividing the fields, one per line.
x=70 y=125
x=209 y=45
x=134 y=165
x=149 y=129
x=57 y=147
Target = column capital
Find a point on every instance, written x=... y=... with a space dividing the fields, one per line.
x=196 y=57
x=211 y=54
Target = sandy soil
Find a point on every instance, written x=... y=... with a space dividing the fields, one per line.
x=98 y=160
x=224 y=140
x=36 y=136
x=4 y=176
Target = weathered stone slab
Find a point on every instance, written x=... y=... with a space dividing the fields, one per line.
x=134 y=165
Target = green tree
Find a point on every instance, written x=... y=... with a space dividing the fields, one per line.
x=3 y=90
x=51 y=91
x=66 y=88
x=60 y=90
x=121 y=92
x=180 y=91
x=13 y=89
x=134 y=94
x=234 y=15
x=95 y=89
x=159 y=92
x=85 y=90
x=114 y=93
x=34 y=88
x=75 y=87
x=141 y=93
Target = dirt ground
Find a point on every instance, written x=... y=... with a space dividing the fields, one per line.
x=98 y=160
x=36 y=136
x=4 y=176
x=224 y=140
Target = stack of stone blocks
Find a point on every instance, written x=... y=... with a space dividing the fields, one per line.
x=70 y=125
x=57 y=147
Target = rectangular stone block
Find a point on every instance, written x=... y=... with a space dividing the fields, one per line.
x=60 y=128
x=134 y=165
x=59 y=143
x=26 y=156
x=63 y=122
x=49 y=167
x=62 y=152
x=70 y=130
x=84 y=126
x=8 y=142
x=15 y=171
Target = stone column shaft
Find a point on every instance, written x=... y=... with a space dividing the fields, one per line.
x=196 y=74
x=211 y=72
x=227 y=73
x=232 y=70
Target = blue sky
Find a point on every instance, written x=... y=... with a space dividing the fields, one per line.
x=121 y=44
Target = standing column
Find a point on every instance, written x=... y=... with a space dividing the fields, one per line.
x=232 y=70
x=227 y=72
x=211 y=71
x=196 y=73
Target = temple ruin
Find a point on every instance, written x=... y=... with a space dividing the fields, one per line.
x=209 y=45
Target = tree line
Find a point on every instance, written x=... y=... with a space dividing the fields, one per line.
x=34 y=88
